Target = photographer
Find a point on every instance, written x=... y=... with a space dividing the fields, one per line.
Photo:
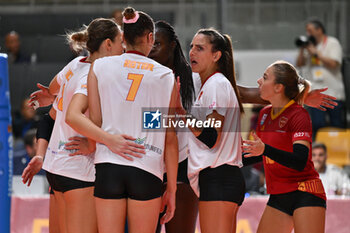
x=320 y=56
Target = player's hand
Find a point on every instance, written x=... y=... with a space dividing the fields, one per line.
x=317 y=99
x=253 y=148
x=32 y=168
x=168 y=200
x=125 y=146
x=80 y=146
x=41 y=97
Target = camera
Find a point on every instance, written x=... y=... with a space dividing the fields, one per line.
x=303 y=41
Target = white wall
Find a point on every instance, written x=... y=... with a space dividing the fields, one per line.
x=251 y=64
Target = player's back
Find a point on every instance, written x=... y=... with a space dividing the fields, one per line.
x=128 y=85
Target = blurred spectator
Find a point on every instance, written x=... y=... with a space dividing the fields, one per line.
x=117 y=15
x=13 y=46
x=20 y=161
x=24 y=120
x=335 y=181
x=254 y=180
x=321 y=59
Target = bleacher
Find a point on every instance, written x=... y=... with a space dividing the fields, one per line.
x=253 y=25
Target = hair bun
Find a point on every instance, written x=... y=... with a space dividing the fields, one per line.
x=129 y=13
x=80 y=37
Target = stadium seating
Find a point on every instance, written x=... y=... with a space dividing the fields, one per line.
x=338 y=144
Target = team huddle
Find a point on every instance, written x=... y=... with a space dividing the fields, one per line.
x=104 y=168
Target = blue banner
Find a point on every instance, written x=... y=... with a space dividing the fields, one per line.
x=5 y=147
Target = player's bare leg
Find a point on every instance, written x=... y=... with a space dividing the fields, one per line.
x=186 y=212
x=61 y=210
x=111 y=215
x=54 y=216
x=143 y=215
x=275 y=221
x=217 y=216
x=309 y=220
x=80 y=210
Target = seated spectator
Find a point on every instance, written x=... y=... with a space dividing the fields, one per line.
x=24 y=120
x=334 y=180
x=254 y=180
x=13 y=46
x=20 y=161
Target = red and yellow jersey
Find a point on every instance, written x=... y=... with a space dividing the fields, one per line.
x=280 y=130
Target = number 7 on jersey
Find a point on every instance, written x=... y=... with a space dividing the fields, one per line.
x=136 y=81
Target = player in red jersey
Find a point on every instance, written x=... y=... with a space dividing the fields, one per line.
x=283 y=142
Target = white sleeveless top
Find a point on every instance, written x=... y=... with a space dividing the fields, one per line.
x=72 y=79
x=217 y=94
x=128 y=84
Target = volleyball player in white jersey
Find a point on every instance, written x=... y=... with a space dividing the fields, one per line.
x=72 y=177
x=215 y=153
x=167 y=51
x=119 y=87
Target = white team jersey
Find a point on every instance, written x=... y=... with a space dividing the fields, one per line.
x=72 y=79
x=216 y=94
x=182 y=136
x=127 y=84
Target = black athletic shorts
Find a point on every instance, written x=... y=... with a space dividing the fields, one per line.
x=181 y=173
x=115 y=181
x=63 y=184
x=288 y=202
x=223 y=183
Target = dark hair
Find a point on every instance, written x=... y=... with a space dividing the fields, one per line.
x=223 y=44
x=143 y=25
x=181 y=66
x=29 y=136
x=288 y=76
x=317 y=145
x=317 y=24
x=92 y=36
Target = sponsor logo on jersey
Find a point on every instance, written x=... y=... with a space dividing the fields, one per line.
x=212 y=105
x=282 y=122
x=152 y=119
x=263 y=118
x=301 y=134
x=140 y=141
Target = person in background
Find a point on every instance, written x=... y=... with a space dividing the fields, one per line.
x=21 y=161
x=335 y=181
x=13 y=49
x=24 y=119
x=322 y=60
x=117 y=16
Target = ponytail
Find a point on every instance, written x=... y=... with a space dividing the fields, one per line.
x=306 y=85
x=91 y=37
x=77 y=40
x=226 y=66
x=286 y=74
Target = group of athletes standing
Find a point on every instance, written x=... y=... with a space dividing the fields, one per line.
x=99 y=172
